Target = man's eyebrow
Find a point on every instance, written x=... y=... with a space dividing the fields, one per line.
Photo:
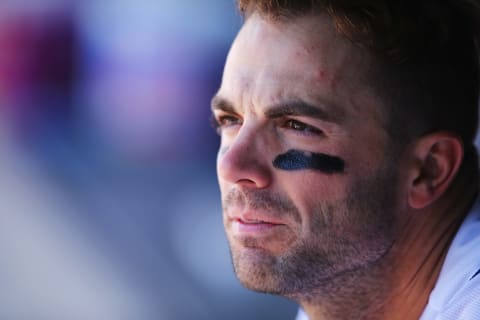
x=222 y=104
x=302 y=108
x=287 y=108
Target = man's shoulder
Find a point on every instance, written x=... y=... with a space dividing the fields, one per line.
x=457 y=292
x=464 y=305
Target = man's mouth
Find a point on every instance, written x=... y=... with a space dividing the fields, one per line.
x=242 y=226
x=250 y=221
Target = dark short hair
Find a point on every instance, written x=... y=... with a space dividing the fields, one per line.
x=427 y=50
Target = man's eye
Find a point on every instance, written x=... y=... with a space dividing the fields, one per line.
x=300 y=126
x=228 y=120
x=224 y=121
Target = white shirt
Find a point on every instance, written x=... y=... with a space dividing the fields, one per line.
x=456 y=295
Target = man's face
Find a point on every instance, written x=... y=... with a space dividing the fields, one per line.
x=308 y=185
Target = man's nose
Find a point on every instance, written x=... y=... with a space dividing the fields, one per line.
x=244 y=160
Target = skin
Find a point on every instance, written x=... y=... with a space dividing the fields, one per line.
x=336 y=242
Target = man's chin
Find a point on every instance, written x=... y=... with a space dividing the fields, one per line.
x=262 y=285
x=253 y=268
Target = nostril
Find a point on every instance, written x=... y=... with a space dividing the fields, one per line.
x=247 y=182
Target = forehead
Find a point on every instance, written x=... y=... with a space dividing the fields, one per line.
x=300 y=59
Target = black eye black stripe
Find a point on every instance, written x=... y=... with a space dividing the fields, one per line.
x=301 y=160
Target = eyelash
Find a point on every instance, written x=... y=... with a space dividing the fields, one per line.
x=301 y=127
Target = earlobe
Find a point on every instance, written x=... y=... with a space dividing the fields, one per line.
x=438 y=157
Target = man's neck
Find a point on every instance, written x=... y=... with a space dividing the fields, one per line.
x=399 y=286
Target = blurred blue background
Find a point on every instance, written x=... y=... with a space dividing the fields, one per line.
x=109 y=206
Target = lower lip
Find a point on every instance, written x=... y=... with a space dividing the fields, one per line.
x=240 y=227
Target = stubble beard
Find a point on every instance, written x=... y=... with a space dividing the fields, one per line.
x=346 y=239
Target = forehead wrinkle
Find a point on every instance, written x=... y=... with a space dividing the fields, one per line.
x=277 y=94
x=233 y=95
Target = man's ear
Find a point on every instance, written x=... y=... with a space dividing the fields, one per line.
x=437 y=159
